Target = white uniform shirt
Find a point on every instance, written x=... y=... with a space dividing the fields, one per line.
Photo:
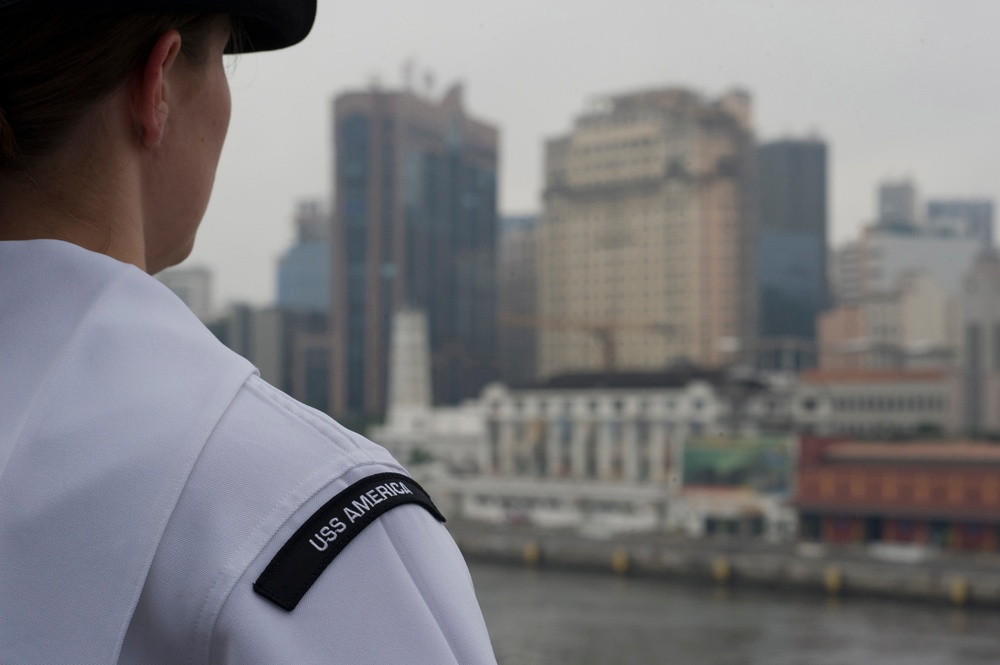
x=148 y=476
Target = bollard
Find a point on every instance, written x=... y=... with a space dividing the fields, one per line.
x=833 y=580
x=722 y=571
x=531 y=553
x=958 y=591
x=620 y=561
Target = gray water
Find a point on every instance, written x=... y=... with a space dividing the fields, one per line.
x=556 y=617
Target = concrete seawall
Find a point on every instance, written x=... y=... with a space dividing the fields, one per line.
x=945 y=578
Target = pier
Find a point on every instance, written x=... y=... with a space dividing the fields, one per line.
x=961 y=579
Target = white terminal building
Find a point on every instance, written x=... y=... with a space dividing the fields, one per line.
x=601 y=453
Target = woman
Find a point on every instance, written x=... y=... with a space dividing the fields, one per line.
x=159 y=503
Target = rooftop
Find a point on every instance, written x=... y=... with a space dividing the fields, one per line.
x=871 y=376
x=671 y=378
x=923 y=451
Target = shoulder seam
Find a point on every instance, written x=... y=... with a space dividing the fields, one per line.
x=267 y=391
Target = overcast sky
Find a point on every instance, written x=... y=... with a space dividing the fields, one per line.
x=897 y=88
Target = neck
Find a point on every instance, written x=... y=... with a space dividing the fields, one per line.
x=64 y=200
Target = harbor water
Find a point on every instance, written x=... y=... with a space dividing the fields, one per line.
x=557 y=617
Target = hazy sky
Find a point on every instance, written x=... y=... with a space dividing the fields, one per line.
x=896 y=87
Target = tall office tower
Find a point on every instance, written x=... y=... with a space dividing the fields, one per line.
x=193 y=285
x=897 y=205
x=968 y=218
x=414 y=225
x=791 y=250
x=517 y=298
x=645 y=245
x=304 y=270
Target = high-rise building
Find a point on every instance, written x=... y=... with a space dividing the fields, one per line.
x=304 y=270
x=193 y=285
x=967 y=218
x=645 y=245
x=980 y=346
x=897 y=205
x=791 y=250
x=517 y=298
x=414 y=225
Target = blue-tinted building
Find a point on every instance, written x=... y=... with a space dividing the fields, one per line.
x=791 y=250
x=414 y=225
x=304 y=270
x=967 y=218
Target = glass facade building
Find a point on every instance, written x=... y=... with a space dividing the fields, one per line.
x=791 y=250
x=304 y=270
x=414 y=226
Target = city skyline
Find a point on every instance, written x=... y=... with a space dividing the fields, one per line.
x=911 y=95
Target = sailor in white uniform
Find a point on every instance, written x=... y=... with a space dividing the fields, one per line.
x=159 y=502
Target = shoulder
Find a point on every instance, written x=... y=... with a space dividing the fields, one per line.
x=270 y=466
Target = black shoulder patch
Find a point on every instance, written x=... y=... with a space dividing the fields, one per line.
x=324 y=535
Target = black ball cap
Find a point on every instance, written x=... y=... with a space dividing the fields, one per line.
x=268 y=24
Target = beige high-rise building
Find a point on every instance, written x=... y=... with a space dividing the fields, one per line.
x=645 y=246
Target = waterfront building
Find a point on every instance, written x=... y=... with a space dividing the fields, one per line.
x=603 y=452
x=966 y=218
x=791 y=263
x=878 y=404
x=414 y=225
x=622 y=426
x=645 y=243
x=621 y=452
x=517 y=299
x=938 y=494
x=193 y=285
x=304 y=269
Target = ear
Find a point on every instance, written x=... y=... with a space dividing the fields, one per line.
x=152 y=93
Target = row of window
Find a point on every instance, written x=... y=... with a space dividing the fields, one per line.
x=618 y=405
x=897 y=403
x=615 y=145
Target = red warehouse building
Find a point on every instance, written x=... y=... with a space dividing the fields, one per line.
x=945 y=494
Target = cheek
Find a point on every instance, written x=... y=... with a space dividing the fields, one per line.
x=227 y=107
x=223 y=108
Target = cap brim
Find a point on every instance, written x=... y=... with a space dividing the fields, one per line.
x=266 y=25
